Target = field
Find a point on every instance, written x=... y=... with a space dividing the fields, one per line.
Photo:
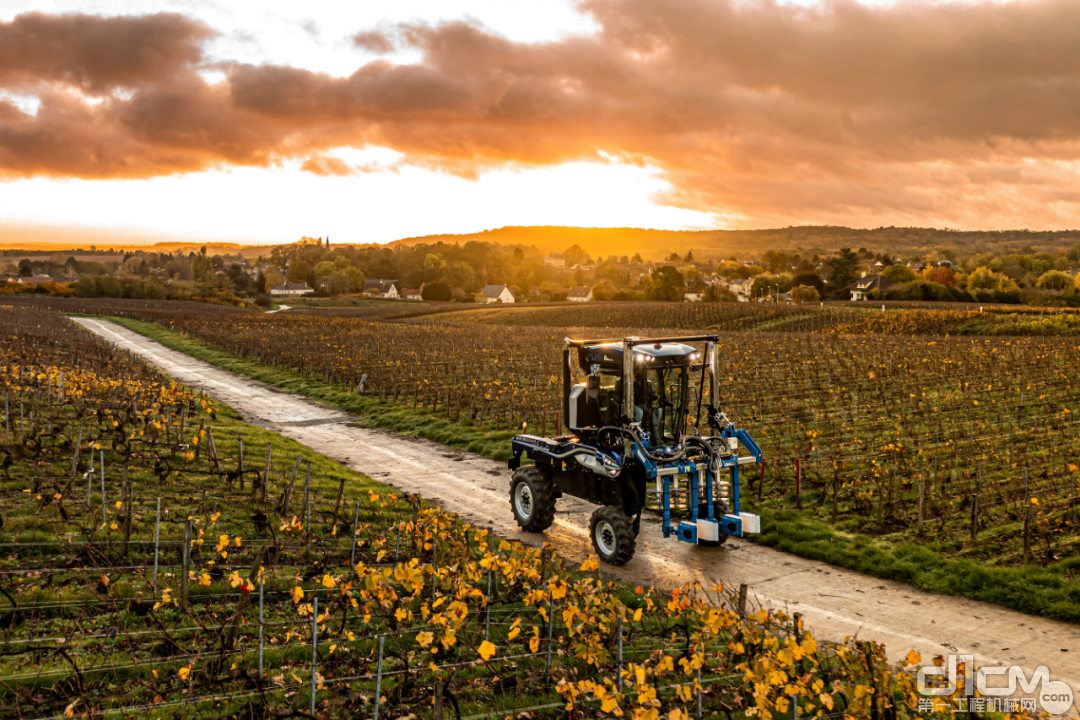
x=208 y=572
x=946 y=461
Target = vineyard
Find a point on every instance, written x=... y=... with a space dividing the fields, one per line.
x=728 y=317
x=835 y=318
x=213 y=569
x=965 y=446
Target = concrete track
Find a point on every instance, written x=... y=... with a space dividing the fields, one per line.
x=835 y=603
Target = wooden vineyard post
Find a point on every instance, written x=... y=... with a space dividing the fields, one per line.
x=157 y=541
x=975 y=507
x=798 y=483
x=1053 y=455
x=937 y=445
x=1027 y=520
x=922 y=503
x=265 y=481
x=314 y=649
x=103 y=518
x=558 y=424
x=414 y=528
x=817 y=447
x=835 y=491
x=619 y=655
x=286 y=494
x=307 y=505
x=128 y=510
x=198 y=439
x=212 y=450
x=761 y=479
x=262 y=625
x=742 y=600
x=186 y=564
x=75 y=455
x=240 y=459
x=355 y=527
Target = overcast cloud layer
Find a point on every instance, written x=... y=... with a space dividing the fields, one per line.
x=914 y=113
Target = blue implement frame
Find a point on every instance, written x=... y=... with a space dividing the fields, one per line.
x=560 y=451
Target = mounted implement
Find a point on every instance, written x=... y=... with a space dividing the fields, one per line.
x=633 y=446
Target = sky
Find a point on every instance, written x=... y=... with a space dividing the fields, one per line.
x=366 y=122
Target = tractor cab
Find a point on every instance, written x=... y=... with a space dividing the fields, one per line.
x=636 y=441
x=661 y=375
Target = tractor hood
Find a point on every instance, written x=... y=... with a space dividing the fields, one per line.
x=609 y=356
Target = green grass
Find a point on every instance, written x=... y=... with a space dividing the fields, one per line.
x=1044 y=591
x=462 y=434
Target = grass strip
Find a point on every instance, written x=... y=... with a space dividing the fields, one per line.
x=1043 y=591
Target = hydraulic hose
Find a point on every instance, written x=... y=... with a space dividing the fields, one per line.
x=635 y=437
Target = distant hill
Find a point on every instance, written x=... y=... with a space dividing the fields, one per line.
x=653 y=244
x=40 y=240
x=43 y=238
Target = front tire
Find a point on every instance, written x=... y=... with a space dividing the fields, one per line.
x=612 y=535
x=532 y=499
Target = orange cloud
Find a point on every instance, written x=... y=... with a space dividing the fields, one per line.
x=961 y=114
x=326 y=165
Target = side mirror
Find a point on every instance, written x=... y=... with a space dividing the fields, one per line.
x=592 y=388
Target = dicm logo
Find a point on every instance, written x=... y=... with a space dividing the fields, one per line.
x=1054 y=696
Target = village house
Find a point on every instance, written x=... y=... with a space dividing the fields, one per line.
x=579 y=293
x=741 y=288
x=35 y=279
x=382 y=288
x=555 y=260
x=861 y=288
x=417 y=294
x=291 y=289
x=497 y=294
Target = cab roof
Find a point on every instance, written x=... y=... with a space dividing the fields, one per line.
x=609 y=356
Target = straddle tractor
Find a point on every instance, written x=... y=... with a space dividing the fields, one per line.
x=634 y=442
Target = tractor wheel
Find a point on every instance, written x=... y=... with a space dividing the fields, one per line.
x=719 y=510
x=532 y=499
x=612 y=535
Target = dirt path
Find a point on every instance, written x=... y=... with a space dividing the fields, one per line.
x=836 y=603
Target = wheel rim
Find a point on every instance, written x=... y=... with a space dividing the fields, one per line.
x=605 y=537
x=523 y=500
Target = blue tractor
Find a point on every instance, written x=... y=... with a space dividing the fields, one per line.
x=635 y=442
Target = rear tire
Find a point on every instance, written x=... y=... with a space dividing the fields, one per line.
x=612 y=535
x=532 y=499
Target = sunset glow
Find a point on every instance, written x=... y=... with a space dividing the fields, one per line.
x=257 y=122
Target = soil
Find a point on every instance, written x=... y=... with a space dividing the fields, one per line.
x=835 y=603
